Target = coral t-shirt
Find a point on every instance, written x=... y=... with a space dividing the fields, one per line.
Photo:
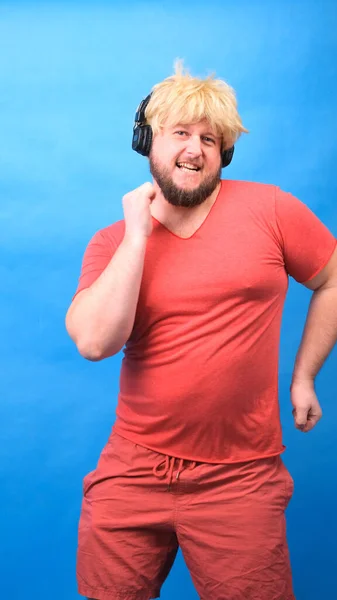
x=199 y=376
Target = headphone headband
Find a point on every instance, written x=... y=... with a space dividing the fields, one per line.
x=140 y=114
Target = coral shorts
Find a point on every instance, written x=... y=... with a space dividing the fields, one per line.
x=139 y=507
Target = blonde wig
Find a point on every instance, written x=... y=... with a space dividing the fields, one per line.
x=183 y=99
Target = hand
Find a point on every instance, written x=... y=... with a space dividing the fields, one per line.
x=137 y=214
x=307 y=411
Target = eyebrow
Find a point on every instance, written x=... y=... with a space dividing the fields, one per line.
x=186 y=125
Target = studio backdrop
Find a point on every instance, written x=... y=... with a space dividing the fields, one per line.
x=71 y=77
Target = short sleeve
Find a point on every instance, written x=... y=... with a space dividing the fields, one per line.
x=306 y=242
x=97 y=256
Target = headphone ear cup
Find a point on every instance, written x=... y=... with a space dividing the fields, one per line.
x=147 y=139
x=136 y=138
x=142 y=139
x=226 y=157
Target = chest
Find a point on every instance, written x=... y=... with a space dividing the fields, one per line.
x=229 y=267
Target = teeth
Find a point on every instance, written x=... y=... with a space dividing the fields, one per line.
x=188 y=166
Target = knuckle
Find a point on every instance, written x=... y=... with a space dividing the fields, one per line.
x=126 y=197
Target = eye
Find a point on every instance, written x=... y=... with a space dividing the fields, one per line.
x=180 y=132
x=208 y=140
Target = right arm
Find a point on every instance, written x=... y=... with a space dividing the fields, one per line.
x=101 y=317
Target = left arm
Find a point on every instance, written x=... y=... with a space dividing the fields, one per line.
x=319 y=337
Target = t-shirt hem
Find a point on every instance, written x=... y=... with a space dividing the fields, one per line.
x=194 y=458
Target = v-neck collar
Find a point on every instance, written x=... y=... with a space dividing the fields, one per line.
x=202 y=224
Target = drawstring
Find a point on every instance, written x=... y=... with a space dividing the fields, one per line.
x=165 y=468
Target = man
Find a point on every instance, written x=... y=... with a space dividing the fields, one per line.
x=192 y=282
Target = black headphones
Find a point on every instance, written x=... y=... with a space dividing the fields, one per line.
x=142 y=135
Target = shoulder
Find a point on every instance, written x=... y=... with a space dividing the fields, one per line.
x=250 y=196
x=250 y=189
x=110 y=236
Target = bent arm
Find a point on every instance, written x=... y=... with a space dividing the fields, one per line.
x=320 y=332
x=100 y=318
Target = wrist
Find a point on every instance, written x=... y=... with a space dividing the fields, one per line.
x=136 y=240
x=305 y=380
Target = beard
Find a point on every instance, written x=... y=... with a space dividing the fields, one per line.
x=178 y=196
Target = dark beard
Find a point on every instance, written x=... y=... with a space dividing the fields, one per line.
x=178 y=196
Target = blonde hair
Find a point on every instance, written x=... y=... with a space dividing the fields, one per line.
x=184 y=99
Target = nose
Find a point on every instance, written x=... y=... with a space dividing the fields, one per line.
x=193 y=147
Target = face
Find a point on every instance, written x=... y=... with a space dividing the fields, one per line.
x=185 y=161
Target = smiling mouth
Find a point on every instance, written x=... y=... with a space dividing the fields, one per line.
x=187 y=167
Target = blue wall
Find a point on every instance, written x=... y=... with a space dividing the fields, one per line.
x=71 y=76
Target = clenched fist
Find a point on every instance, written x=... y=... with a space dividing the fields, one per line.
x=137 y=214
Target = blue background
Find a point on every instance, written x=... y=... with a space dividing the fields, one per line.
x=71 y=76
